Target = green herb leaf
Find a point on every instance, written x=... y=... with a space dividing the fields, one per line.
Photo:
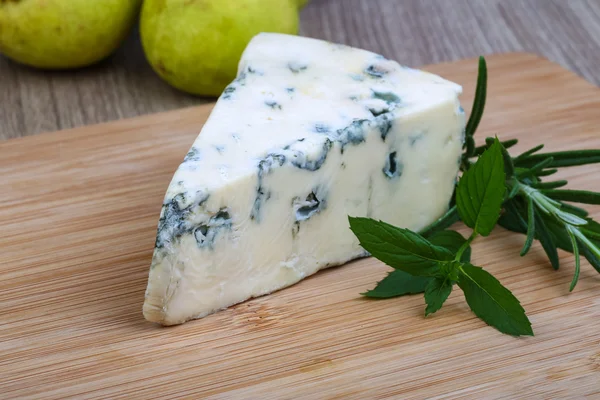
x=591 y=229
x=399 y=248
x=576 y=196
x=514 y=190
x=547 y=172
x=530 y=226
x=436 y=293
x=547 y=242
x=481 y=190
x=479 y=102
x=549 y=185
x=509 y=168
x=492 y=302
x=559 y=234
x=592 y=259
x=470 y=146
x=580 y=212
x=452 y=241
x=490 y=141
x=541 y=165
x=577 y=262
x=511 y=219
x=445 y=221
x=398 y=283
x=533 y=171
x=564 y=158
x=526 y=155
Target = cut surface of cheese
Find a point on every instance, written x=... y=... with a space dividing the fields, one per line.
x=308 y=133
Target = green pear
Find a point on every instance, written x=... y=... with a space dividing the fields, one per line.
x=195 y=45
x=59 y=34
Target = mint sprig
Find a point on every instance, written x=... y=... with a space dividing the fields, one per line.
x=495 y=188
x=444 y=257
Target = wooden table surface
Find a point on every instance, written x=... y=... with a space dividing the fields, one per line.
x=414 y=32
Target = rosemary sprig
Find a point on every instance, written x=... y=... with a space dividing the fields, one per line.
x=536 y=207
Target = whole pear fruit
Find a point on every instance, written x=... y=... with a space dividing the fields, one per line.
x=59 y=34
x=195 y=45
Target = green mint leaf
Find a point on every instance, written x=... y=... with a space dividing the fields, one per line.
x=575 y=247
x=453 y=241
x=399 y=248
x=398 y=283
x=445 y=221
x=436 y=293
x=479 y=101
x=481 y=190
x=492 y=302
x=576 y=196
x=530 y=226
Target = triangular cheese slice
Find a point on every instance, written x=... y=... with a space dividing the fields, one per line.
x=308 y=133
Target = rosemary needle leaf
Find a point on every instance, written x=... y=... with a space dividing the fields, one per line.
x=591 y=229
x=592 y=259
x=566 y=158
x=530 y=226
x=577 y=261
x=559 y=234
x=549 y=185
x=580 y=212
x=506 y=143
x=479 y=102
x=541 y=165
x=576 y=196
x=511 y=219
x=545 y=238
x=490 y=141
x=509 y=168
x=526 y=154
x=470 y=143
x=513 y=191
x=547 y=172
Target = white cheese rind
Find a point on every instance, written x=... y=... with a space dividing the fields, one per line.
x=309 y=133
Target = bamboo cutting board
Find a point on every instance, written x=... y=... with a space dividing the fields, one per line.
x=79 y=209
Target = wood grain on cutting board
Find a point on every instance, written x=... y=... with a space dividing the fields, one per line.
x=79 y=209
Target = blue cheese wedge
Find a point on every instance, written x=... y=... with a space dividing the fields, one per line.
x=308 y=133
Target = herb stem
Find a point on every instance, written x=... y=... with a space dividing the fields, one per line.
x=465 y=246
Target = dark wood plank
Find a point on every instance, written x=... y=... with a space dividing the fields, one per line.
x=415 y=32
